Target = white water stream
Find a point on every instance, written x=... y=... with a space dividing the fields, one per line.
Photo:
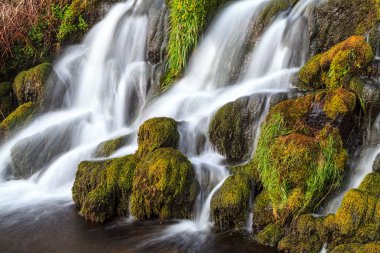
x=106 y=79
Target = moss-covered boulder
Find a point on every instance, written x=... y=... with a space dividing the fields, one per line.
x=271 y=234
x=22 y=115
x=8 y=101
x=333 y=21
x=262 y=211
x=29 y=86
x=102 y=188
x=232 y=128
x=107 y=148
x=157 y=133
x=299 y=164
x=337 y=66
x=356 y=222
x=372 y=247
x=230 y=204
x=164 y=186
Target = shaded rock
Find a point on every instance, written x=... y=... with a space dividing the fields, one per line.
x=29 y=86
x=8 y=101
x=230 y=204
x=376 y=164
x=333 y=21
x=271 y=234
x=101 y=189
x=32 y=154
x=157 y=133
x=164 y=186
x=262 y=211
x=232 y=128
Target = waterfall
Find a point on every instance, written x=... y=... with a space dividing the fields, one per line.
x=107 y=93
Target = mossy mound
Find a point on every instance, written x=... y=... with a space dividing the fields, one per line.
x=297 y=163
x=7 y=100
x=107 y=148
x=232 y=127
x=373 y=247
x=355 y=225
x=22 y=115
x=157 y=133
x=230 y=204
x=188 y=19
x=333 y=21
x=337 y=66
x=339 y=103
x=262 y=211
x=164 y=186
x=271 y=234
x=101 y=189
x=29 y=86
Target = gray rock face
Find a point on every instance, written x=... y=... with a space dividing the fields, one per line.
x=232 y=129
x=333 y=21
x=376 y=164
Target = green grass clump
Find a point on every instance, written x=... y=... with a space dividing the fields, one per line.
x=188 y=19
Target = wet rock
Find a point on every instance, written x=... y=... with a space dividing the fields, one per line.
x=101 y=189
x=18 y=118
x=164 y=186
x=230 y=204
x=158 y=32
x=8 y=101
x=333 y=21
x=376 y=164
x=232 y=128
x=157 y=133
x=32 y=154
x=107 y=148
x=29 y=86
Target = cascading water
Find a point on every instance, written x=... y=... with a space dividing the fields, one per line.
x=107 y=82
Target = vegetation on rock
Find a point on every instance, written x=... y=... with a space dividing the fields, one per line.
x=107 y=148
x=164 y=186
x=102 y=188
x=7 y=100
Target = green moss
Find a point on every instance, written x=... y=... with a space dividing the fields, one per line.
x=23 y=114
x=297 y=164
x=271 y=234
x=371 y=184
x=107 y=148
x=272 y=9
x=293 y=244
x=29 y=85
x=337 y=66
x=188 y=19
x=339 y=102
x=157 y=133
x=164 y=186
x=262 y=211
x=101 y=189
x=372 y=247
x=229 y=205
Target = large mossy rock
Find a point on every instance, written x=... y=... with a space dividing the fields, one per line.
x=356 y=223
x=29 y=86
x=373 y=247
x=232 y=128
x=18 y=118
x=336 y=67
x=164 y=186
x=8 y=101
x=333 y=21
x=102 y=188
x=157 y=133
x=230 y=204
x=297 y=162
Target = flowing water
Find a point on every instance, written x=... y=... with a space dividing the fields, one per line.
x=107 y=90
